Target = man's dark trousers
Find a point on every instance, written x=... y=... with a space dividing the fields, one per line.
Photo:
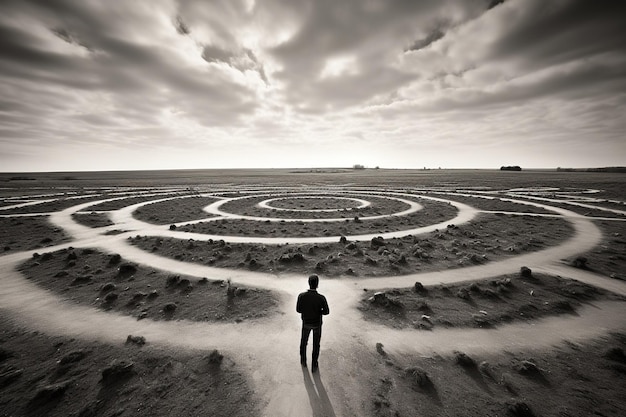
x=312 y=306
x=304 y=340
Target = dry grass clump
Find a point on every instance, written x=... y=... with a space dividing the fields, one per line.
x=215 y=358
x=420 y=378
x=464 y=360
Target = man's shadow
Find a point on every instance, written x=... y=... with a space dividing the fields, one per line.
x=320 y=403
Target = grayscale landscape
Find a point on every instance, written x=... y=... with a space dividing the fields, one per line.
x=172 y=172
x=177 y=296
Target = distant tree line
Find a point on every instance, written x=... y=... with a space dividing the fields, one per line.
x=605 y=169
x=511 y=168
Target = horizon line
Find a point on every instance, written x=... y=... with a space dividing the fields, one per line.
x=352 y=168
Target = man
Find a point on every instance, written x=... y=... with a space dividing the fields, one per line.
x=311 y=305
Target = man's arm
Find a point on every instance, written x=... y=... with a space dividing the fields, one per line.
x=299 y=304
x=325 y=309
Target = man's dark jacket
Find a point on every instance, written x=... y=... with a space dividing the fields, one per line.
x=312 y=305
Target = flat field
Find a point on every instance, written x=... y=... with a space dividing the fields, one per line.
x=451 y=292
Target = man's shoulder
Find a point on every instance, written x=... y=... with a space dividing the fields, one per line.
x=311 y=295
x=320 y=296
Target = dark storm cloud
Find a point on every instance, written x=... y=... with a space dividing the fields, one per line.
x=494 y=3
x=372 y=33
x=432 y=37
x=114 y=61
x=553 y=32
x=240 y=60
x=214 y=54
x=522 y=51
x=578 y=82
x=18 y=47
x=181 y=26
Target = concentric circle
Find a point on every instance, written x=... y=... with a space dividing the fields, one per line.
x=216 y=209
x=267 y=204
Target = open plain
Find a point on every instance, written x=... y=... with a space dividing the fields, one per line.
x=451 y=292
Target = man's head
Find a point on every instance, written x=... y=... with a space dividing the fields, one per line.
x=314 y=281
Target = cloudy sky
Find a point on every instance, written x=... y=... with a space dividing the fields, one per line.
x=159 y=84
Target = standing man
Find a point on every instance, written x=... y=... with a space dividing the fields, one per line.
x=311 y=305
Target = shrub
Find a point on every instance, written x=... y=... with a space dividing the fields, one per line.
x=520 y=409
x=419 y=377
x=115 y=259
x=72 y=357
x=580 y=262
x=377 y=242
x=126 y=269
x=230 y=289
x=136 y=340
x=49 y=393
x=110 y=297
x=528 y=368
x=215 y=357
x=116 y=371
x=464 y=360
x=381 y=298
x=485 y=369
x=83 y=279
x=170 y=308
x=616 y=354
x=463 y=293
x=172 y=280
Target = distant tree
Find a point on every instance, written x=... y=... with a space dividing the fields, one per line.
x=511 y=168
x=358 y=166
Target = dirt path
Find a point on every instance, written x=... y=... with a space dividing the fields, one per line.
x=267 y=348
x=124 y=220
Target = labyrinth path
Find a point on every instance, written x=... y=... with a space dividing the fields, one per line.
x=267 y=348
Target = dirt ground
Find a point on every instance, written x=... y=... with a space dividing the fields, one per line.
x=490 y=237
x=92 y=219
x=353 y=225
x=501 y=300
x=608 y=258
x=344 y=207
x=44 y=374
x=491 y=203
x=571 y=379
x=174 y=211
x=51 y=206
x=26 y=233
x=108 y=282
